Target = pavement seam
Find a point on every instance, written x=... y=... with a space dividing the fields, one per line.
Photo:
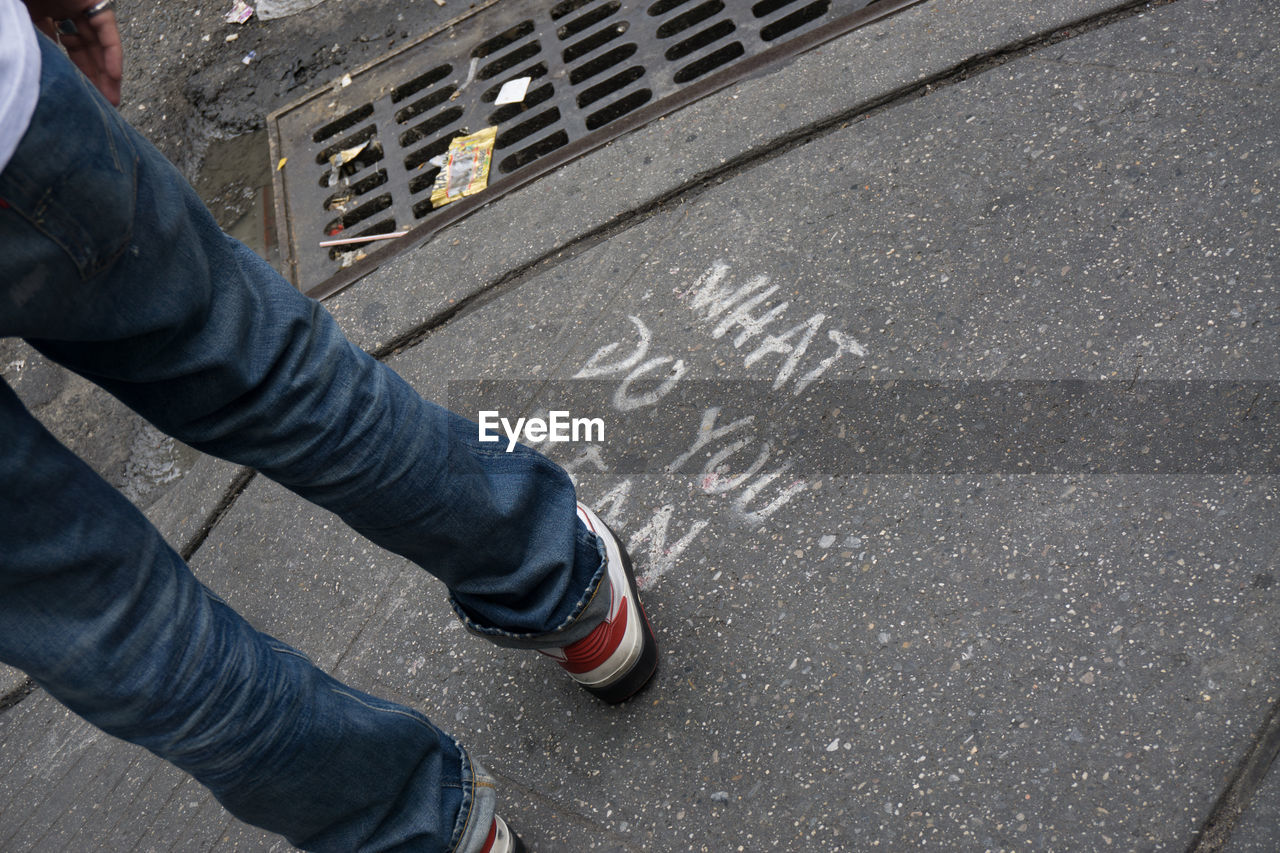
x=511 y=279
x=759 y=155
x=1242 y=784
x=241 y=482
x=16 y=695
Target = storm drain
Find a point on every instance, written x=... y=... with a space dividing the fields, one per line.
x=361 y=156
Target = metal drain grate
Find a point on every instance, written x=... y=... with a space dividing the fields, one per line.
x=598 y=68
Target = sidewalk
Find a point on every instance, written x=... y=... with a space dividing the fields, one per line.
x=968 y=660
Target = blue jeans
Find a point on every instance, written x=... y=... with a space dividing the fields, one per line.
x=111 y=266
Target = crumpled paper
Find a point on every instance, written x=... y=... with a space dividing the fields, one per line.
x=271 y=9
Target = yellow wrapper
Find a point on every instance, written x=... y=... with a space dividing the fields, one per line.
x=466 y=169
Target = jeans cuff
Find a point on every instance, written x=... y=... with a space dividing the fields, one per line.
x=587 y=614
x=478 y=806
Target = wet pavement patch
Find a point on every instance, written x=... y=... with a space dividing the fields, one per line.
x=235 y=182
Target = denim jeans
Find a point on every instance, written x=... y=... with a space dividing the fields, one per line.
x=112 y=267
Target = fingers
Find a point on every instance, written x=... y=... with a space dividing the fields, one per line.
x=108 y=54
x=95 y=48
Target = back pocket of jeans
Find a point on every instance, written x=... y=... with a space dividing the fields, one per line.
x=73 y=177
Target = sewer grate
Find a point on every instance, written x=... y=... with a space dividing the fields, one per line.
x=598 y=69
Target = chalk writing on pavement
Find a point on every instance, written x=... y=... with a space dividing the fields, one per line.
x=799 y=352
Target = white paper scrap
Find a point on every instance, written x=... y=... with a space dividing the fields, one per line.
x=513 y=91
x=239 y=13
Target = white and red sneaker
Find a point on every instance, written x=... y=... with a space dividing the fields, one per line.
x=502 y=840
x=620 y=656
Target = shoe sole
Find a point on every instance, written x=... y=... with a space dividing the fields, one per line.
x=641 y=672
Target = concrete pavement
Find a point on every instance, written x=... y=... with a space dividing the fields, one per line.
x=856 y=656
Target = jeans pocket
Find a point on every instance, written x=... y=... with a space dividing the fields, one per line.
x=74 y=176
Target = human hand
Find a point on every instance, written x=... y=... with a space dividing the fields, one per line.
x=94 y=46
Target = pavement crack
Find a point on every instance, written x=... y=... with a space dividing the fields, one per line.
x=1215 y=833
x=229 y=497
x=516 y=276
x=17 y=694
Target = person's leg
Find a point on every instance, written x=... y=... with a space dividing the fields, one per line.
x=99 y=611
x=112 y=267
x=205 y=340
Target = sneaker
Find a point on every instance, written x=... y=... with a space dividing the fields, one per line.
x=620 y=656
x=502 y=840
